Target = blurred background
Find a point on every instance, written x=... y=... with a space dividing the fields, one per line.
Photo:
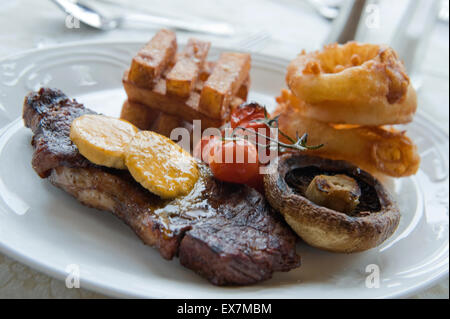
x=418 y=29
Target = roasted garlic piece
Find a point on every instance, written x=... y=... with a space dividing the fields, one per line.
x=339 y=192
x=102 y=139
x=160 y=165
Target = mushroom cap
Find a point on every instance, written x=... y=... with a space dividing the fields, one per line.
x=324 y=228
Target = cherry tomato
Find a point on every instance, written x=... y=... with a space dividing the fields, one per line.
x=234 y=161
x=245 y=115
x=202 y=150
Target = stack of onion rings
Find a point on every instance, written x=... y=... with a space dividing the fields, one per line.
x=361 y=84
x=377 y=149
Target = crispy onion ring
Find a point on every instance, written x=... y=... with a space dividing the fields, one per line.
x=361 y=84
x=379 y=150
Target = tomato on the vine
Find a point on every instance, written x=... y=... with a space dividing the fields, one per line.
x=234 y=161
x=251 y=118
x=246 y=115
x=238 y=157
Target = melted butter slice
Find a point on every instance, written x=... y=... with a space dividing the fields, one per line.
x=160 y=165
x=101 y=139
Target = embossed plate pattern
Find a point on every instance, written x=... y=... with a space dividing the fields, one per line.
x=48 y=230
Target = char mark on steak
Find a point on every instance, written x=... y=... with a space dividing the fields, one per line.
x=226 y=233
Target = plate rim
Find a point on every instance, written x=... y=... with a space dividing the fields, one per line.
x=107 y=290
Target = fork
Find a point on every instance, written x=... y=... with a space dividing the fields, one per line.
x=254 y=42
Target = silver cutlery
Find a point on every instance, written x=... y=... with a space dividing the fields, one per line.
x=329 y=11
x=254 y=42
x=345 y=27
x=95 y=19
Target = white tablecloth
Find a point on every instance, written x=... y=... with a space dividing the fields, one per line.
x=292 y=25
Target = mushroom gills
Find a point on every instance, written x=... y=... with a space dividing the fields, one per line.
x=339 y=192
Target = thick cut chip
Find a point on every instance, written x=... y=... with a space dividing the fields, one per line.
x=152 y=60
x=206 y=71
x=166 y=123
x=187 y=109
x=139 y=115
x=229 y=73
x=101 y=139
x=181 y=79
x=160 y=165
x=157 y=99
x=150 y=119
x=243 y=90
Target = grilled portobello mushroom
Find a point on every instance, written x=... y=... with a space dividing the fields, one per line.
x=299 y=188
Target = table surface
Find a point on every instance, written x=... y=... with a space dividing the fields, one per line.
x=292 y=26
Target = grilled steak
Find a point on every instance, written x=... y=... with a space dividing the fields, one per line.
x=226 y=233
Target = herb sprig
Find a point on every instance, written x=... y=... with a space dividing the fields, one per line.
x=299 y=143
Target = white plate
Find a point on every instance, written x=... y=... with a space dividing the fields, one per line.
x=47 y=229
